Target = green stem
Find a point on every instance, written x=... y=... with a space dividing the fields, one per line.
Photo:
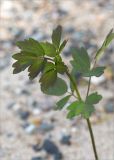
x=92 y=139
x=74 y=84
x=88 y=121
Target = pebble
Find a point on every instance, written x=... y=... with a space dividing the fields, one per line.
x=46 y=127
x=51 y=148
x=30 y=129
x=37 y=158
x=65 y=139
x=23 y=114
x=36 y=147
x=109 y=107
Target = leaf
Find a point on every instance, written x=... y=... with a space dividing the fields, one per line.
x=31 y=56
x=49 y=66
x=35 y=69
x=98 y=71
x=81 y=60
x=58 y=88
x=48 y=78
x=24 y=56
x=87 y=111
x=105 y=44
x=63 y=45
x=49 y=49
x=80 y=108
x=19 y=67
x=93 y=98
x=62 y=102
x=75 y=108
x=56 y=36
x=31 y=46
x=61 y=67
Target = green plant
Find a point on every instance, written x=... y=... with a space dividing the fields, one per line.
x=45 y=58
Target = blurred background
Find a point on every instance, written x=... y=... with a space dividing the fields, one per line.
x=29 y=127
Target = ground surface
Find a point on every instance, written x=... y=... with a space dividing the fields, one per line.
x=84 y=23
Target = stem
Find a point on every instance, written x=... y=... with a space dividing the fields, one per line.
x=74 y=84
x=92 y=139
x=88 y=121
x=89 y=83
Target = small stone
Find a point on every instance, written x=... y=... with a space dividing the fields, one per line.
x=45 y=127
x=51 y=148
x=36 y=148
x=65 y=139
x=109 y=107
x=30 y=129
x=24 y=114
x=37 y=158
x=36 y=111
x=35 y=121
x=25 y=92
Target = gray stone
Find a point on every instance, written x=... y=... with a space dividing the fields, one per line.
x=65 y=139
x=109 y=107
x=51 y=148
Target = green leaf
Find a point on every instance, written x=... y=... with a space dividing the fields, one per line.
x=75 y=108
x=63 y=45
x=24 y=56
x=48 y=78
x=61 y=67
x=62 y=102
x=105 y=44
x=98 y=71
x=49 y=66
x=31 y=46
x=31 y=55
x=58 y=88
x=19 y=67
x=56 y=36
x=49 y=49
x=80 y=108
x=81 y=60
x=93 y=98
x=35 y=68
x=87 y=111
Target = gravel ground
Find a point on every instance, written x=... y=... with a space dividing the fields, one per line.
x=20 y=131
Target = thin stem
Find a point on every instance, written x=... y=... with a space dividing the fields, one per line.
x=71 y=93
x=74 y=84
x=89 y=84
x=92 y=139
x=89 y=125
x=88 y=121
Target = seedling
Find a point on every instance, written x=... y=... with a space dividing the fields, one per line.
x=45 y=58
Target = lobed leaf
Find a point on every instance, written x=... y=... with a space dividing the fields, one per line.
x=93 y=98
x=35 y=68
x=80 y=108
x=105 y=44
x=31 y=46
x=63 y=45
x=49 y=49
x=57 y=89
x=48 y=78
x=61 y=103
x=49 y=66
x=98 y=71
x=56 y=36
x=81 y=60
x=61 y=67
